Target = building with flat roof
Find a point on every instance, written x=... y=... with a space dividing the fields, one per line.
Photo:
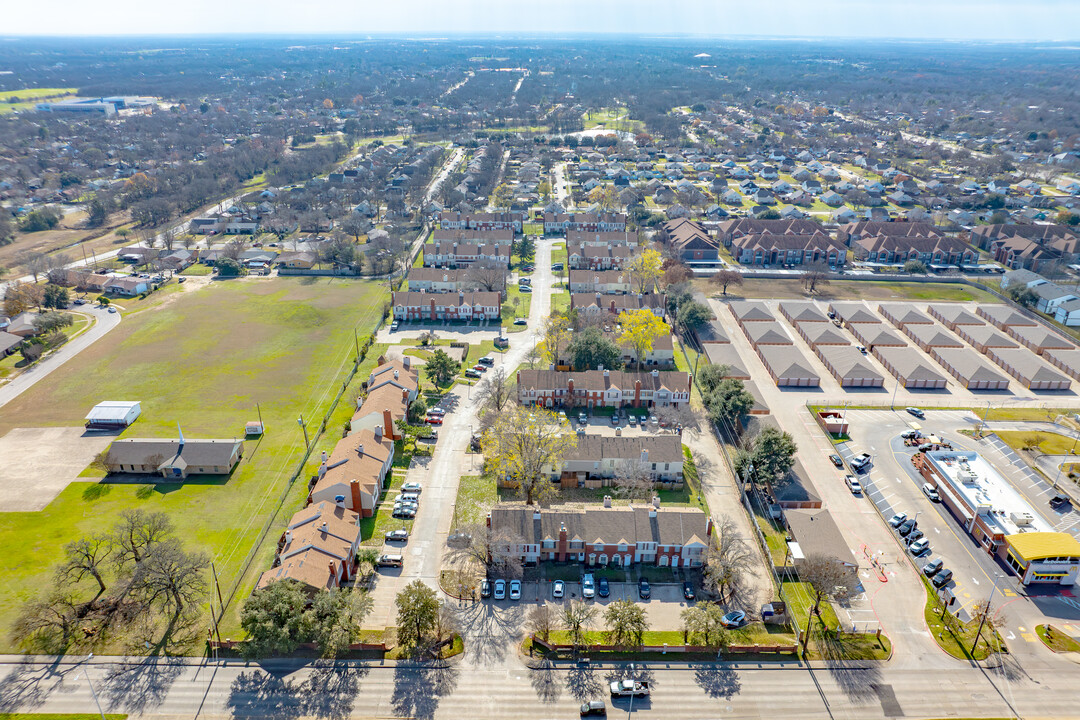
x=1003 y=522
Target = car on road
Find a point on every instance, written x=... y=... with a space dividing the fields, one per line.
x=906 y=528
x=931 y=492
x=500 y=590
x=629 y=688
x=470 y=373
x=837 y=460
x=588 y=586
x=688 y=590
x=916 y=412
x=524 y=288
x=593 y=708
x=643 y=589
x=602 y=588
x=853 y=484
x=515 y=589
x=112 y=309
x=399 y=535
x=859 y=462
x=391 y=560
x=434 y=419
x=897 y=520
x=930 y=569
x=394 y=326
x=79 y=301
x=734 y=619
x=485 y=588
x=521 y=321
x=436 y=411
x=942 y=578
x=920 y=547
x=412 y=487
x=557 y=589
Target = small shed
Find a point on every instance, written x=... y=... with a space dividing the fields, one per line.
x=969 y=369
x=1002 y=316
x=849 y=366
x=910 y=368
x=787 y=367
x=253 y=428
x=954 y=315
x=113 y=415
x=1028 y=369
x=983 y=337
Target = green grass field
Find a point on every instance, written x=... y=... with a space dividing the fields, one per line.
x=511 y=310
x=202 y=360
x=29 y=97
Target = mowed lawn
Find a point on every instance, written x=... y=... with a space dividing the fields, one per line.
x=203 y=360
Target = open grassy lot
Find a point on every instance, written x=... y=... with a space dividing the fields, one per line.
x=516 y=306
x=27 y=98
x=1046 y=442
x=853 y=290
x=202 y=359
x=70 y=237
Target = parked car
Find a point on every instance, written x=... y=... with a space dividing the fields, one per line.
x=480 y=368
x=837 y=460
x=859 y=462
x=931 y=492
x=412 y=487
x=898 y=519
x=643 y=589
x=524 y=288
x=588 y=586
x=436 y=411
x=1059 y=500
x=434 y=419
x=920 y=547
x=473 y=374
x=500 y=589
x=391 y=561
x=485 y=588
x=688 y=590
x=631 y=420
x=405 y=512
x=521 y=321
x=615 y=419
x=906 y=527
x=593 y=708
x=393 y=326
x=557 y=589
x=734 y=619
x=602 y=588
x=942 y=578
x=488 y=360
x=853 y=484
x=910 y=434
x=930 y=569
x=112 y=309
x=515 y=589
x=582 y=417
x=399 y=535
x=914 y=535
x=916 y=412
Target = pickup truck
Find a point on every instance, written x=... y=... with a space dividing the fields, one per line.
x=630 y=688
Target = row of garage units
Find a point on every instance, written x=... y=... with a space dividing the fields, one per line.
x=873 y=335
x=970 y=370
x=849 y=366
x=1029 y=370
x=909 y=368
x=1068 y=361
x=787 y=366
x=954 y=316
x=983 y=337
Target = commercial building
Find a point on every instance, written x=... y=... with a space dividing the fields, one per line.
x=999 y=518
x=174 y=459
x=112 y=415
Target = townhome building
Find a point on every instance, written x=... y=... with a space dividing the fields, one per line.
x=598 y=257
x=898 y=249
x=788 y=249
x=317 y=549
x=599 y=537
x=458 y=254
x=463 y=306
x=729 y=230
x=352 y=475
x=595 y=304
x=443 y=280
x=603 y=388
x=849 y=233
x=605 y=282
x=605 y=238
x=560 y=223
x=454 y=220
x=598 y=460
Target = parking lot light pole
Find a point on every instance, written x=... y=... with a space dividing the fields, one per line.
x=985 y=613
x=86 y=672
x=300 y=422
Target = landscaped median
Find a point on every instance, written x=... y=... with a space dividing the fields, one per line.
x=956 y=637
x=1057 y=640
x=756 y=640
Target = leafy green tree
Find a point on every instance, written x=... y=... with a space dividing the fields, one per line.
x=1023 y=296
x=417 y=613
x=417 y=410
x=527 y=248
x=441 y=368
x=227 y=267
x=56 y=296
x=334 y=619
x=772 y=455
x=693 y=314
x=626 y=623
x=272 y=619
x=39 y=220
x=589 y=349
x=728 y=401
x=770 y=214
x=915 y=267
x=578 y=617
x=701 y=624
x=52 y=321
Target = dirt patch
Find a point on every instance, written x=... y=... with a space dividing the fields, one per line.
x=41 y=462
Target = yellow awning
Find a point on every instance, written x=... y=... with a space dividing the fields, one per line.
x=1038 y=545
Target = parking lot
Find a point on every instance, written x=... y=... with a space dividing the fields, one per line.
x=893 y=486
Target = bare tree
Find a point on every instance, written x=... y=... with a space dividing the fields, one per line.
x=137 y=532
x=497 y=551
x=234 y=249
x=633 y=479
x=48 y=624
x=36 y=263
x=489 y=275
x=728 y=562
x=85 y=558
x=578 y=617
x=829 y=579
x=813 y=276
x=493 y=395
x=173 y=579
x=541 y=620
x=727 y=277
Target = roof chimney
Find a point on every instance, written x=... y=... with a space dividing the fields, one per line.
x=288 y=536
x=406 y=362
x=536 y=514
x=322 y=470
x=656 y=501
x=325 y=457
x=378 y=434
x=607 y=501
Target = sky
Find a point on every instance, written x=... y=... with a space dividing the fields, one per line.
x=1024 y=20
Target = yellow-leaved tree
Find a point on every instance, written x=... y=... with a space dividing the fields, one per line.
x=525 y=444
x=639 y=330
x=645 y=269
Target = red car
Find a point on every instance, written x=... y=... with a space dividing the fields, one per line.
x=434 y=420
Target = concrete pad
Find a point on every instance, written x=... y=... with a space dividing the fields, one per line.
x=42 y=461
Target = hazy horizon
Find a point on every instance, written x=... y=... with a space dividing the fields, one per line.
x=913 y=20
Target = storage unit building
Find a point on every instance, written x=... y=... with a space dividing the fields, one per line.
x=750 y=311
x=727 y=356
x=910 y=368
x=1028 y=369
x=1002 y=316
x=901 y=314
x=928 y=336
x=1039 y=338
x=872 y=335
x=787 y=367
x=954 y=315
x=1068 y=361
x=762 y=333
x=849 y=366
x=806 y=311
x=982 y=337
x=815 y=333
x=969 y=369
x=853 y=312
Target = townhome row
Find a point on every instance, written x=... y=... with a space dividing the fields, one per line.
x=603 y=388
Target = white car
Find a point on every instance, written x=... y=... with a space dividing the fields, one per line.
x=515 y=589
x=557 y=589
x=500 y=590
x=931 y=492
x=860 y=461
x=411 y=487
x=588 y=586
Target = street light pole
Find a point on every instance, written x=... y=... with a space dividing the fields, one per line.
x=300 y=421
x=86 y=672
x=982 y=620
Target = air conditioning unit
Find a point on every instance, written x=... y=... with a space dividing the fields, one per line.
x=1022 y=519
